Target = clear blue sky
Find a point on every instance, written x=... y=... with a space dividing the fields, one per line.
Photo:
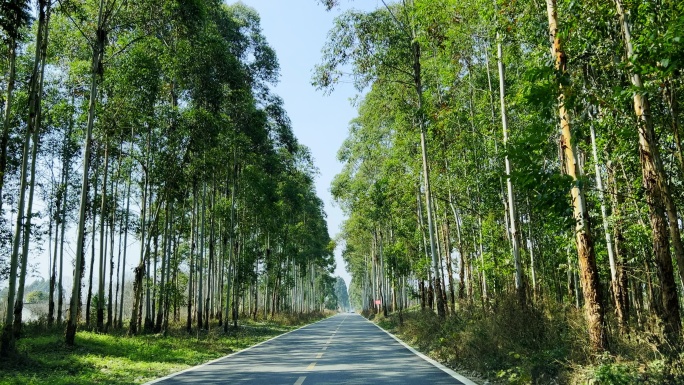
x=297 y=30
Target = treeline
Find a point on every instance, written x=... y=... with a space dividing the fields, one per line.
x=521 y=149
x=145 y=133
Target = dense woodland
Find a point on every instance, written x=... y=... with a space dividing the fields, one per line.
x=526 y=151
x=144 y=133
x=517 y=157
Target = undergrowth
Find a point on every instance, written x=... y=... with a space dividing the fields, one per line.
x=547 y=344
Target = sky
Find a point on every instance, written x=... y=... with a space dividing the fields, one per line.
x=297 y=31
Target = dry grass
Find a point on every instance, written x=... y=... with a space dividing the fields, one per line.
x=544 y=344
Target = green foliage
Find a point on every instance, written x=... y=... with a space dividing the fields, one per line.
x=614 y=374
x=456 y=79
x=36 y=297
x=14 y=15
x=341 y=295
x=611 y=371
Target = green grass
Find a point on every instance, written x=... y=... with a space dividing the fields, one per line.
x=43 y=358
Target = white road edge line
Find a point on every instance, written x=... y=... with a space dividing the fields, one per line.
x=464 y=380
x=230 y=355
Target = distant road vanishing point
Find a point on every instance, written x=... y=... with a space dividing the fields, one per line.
x=343 y=349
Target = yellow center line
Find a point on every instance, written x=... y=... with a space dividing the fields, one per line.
x=311 y=366
x=300 y=381
x=319 y=355
x=325 y=348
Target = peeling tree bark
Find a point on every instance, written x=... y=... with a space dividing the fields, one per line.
x=585 y=248
x=658 y=198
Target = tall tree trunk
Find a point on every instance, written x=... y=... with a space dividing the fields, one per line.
x=170 y=251
x=450 y=270
x=162 y=286
x=193 y=236
x=98 y=52
x=139 y=271
x=200 y=261
x=136 y=315
x=103 y=256
x=7 y=121
x=152 y=231
x=152 y=281
x=671 y=97
x=585 y=248
x=19 y=304
x=53 y=269
x=236 y=288
x=531 y=243
x=658 y=198
x=125 y=246
x=515 y=236
x=480 y=243
x=212 y=268
x=118 y=271
x=231 y=248
x=112 y=221
x=15 y=300
x=614 y=283
x=66 y=167
x=621 y=282
x=417 y=78
x=92 y=245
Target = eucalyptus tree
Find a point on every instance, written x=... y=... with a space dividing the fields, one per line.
x=658 y=196
x=513 y=217
x=179 y=103
x=383 y=46
x=14 y=15
x=22 y=229
x=592 y=89
x=34 y=125
x=584 y=240
x=113 y=20
x=342 y=294
x=380 y=200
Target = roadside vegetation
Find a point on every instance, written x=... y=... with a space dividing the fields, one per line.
x=546 y=344
x=116 y=358
x=516 y=172
x=145 y=160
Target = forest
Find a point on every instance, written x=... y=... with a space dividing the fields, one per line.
x=513 y=183
x=147 y=162
x=516 y=171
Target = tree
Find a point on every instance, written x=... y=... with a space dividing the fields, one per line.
x=658 y=197
x=342 y=295
x=383 y=45
x=585 y=247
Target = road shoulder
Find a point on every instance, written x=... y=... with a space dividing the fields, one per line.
x=465 y=380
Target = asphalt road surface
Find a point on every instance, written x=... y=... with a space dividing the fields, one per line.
x=343 y=349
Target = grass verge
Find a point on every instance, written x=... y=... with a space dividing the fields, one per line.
x=114 y=358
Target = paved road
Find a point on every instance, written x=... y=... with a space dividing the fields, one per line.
x=344 y=349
